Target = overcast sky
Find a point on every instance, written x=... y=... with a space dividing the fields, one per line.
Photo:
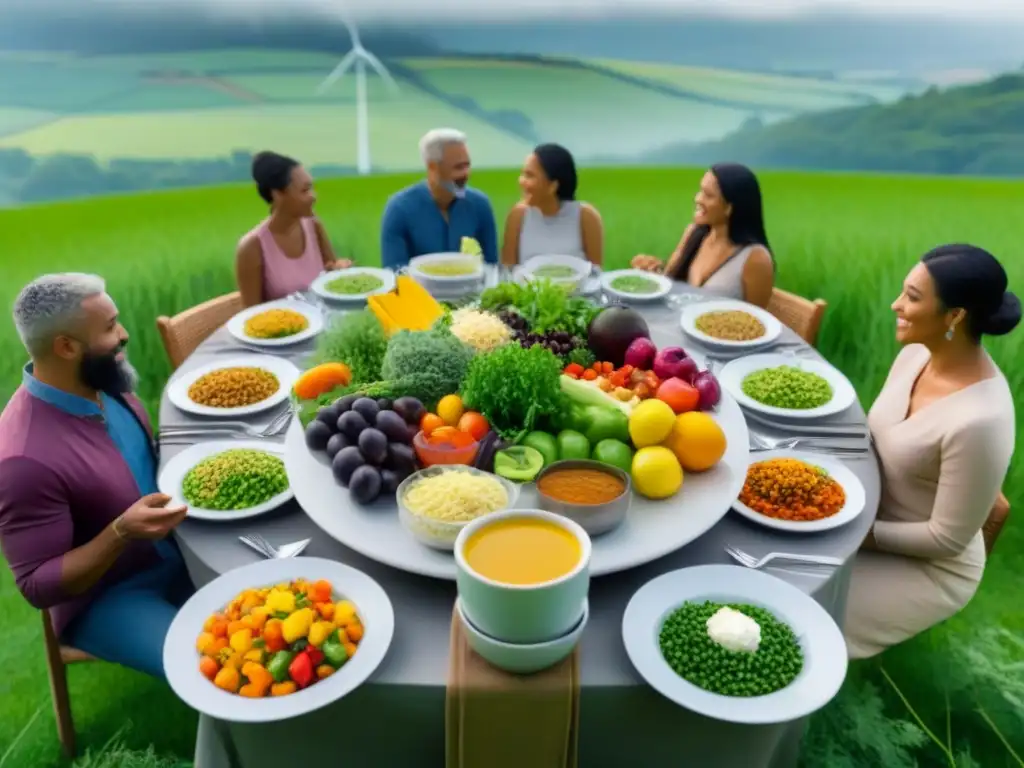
x=989 y=10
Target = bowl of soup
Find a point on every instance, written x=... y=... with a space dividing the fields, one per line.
x=523 y=574
x=591 y=493
x=447 y=271
x=568 y=271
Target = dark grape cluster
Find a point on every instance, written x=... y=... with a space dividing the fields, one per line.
x=559 y=342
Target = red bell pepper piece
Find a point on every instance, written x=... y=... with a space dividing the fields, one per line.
x=316 y=656
x=301 y=670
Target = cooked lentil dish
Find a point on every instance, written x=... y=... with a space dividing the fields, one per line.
x=233 y=387
x=790 y=489
x=581 y=486
x=276 y=324
x=730 y=325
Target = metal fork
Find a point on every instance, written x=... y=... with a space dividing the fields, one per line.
x=269 y=551
x=235 y=428
x=762 y=443
x=748 y=560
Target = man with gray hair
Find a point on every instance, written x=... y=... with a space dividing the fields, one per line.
x=81 y=521
x=434 y=215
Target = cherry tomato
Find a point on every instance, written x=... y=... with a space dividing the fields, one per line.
x=589 y=375
x=430 y=422
x=475 y=424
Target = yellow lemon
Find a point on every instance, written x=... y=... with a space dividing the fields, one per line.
x=656 y=472
x=450 y=409
x=650 y=422
x=697 y=441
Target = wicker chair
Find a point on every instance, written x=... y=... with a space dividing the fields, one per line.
x=800 y=314
x=187 y=330
x=57 y=659
x=996 y=520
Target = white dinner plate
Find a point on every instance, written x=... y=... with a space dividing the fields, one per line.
x=821 y=641
x=287 y=374
x=652 y=529
x=688 y=321
x=236 y=325
x=173 y=475
x=181 y=660
x=664 y=285
x=319 y=286
x=735 y=371
x=852 y=487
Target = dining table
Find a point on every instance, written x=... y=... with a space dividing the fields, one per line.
x=397 y=717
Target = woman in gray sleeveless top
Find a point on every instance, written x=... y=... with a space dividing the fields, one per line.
x=549 y=220
x=725 y=249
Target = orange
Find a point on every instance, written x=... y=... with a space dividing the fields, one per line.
x=697 y=441
x=430 y=422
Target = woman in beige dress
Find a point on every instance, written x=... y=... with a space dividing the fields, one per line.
x=943 y=426
x=725 y=248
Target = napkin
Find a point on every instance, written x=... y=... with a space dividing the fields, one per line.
x=495 y=719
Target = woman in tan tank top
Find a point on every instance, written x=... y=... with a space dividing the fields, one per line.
x=725 y=247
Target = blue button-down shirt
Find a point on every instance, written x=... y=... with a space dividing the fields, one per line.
x=413 y=225
x=122 y=425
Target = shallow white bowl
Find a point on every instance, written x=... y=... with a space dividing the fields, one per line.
x=852 y=487
x=523 y=659
x=690 y=314
x=581 y=267
x=319 y=286
x=173 y=475
x=417 y=263
x=287 y=374
x=530 y=613
x=236 y=325
x=181 y=661
x=735 y=371
x=439 y=534
x=663 y=290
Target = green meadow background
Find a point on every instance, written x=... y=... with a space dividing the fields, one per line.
x=847 y=238
x=134 y=164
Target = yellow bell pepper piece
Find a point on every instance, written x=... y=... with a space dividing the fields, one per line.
x=256 y=654
x=319 y=632
x=241 y=641
x=280 y=601
x=297 y=626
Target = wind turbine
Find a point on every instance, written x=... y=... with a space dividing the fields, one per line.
x=357 y=59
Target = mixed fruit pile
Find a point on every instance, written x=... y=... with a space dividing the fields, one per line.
x=532 y=376
x=274 y=641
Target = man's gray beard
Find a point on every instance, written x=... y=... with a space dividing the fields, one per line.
x=131 y=376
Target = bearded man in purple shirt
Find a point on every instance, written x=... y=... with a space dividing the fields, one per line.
x=82 y=525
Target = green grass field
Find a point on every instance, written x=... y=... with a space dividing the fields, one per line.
x=849 y=239
x=206 y=104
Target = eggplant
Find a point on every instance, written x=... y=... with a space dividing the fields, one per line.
x=489 y=445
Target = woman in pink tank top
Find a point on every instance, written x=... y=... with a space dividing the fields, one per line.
x=286 y=252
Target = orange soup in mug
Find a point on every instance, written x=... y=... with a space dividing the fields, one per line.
x=522 y=551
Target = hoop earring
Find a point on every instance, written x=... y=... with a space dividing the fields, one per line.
x=949 y=333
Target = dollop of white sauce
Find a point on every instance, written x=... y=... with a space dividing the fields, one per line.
x=734 y=631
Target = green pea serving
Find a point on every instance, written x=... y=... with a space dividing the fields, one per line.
x=699 y=660
x=787 y=387
x=235 y=479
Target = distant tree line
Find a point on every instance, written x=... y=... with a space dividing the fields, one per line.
x=966 y=130
x=28 y=179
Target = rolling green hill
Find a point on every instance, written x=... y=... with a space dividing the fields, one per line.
x=207 y=104
x=974 y=129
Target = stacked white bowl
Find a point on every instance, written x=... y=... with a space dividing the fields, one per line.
x=467 y=277
x=523 y=628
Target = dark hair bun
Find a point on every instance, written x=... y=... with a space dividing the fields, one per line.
x=271 y=172
x=1005 y=318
